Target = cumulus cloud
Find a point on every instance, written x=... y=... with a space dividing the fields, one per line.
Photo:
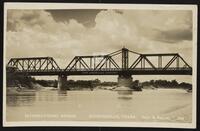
x=164 y=26
x=38 y=33
x=35 y=33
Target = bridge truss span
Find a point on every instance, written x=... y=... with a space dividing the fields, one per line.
x=119 y=62
x=34 y=64
x=174 y=62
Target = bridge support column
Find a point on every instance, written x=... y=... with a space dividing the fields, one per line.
x=125 y=80
x=62 y=82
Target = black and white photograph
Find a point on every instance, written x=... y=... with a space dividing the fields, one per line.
x=113 y=65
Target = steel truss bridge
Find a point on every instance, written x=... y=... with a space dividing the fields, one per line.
x=115 y=63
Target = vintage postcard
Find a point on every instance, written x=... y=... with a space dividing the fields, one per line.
x=105 y=65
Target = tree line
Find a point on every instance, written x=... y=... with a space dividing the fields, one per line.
x=167 y=84
x=28 y=81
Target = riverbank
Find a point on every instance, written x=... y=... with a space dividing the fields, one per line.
x=37 y=87
x=20 y=90
x=32 y=83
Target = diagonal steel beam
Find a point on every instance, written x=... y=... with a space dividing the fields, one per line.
x=136 y=62
x=54 y=62
x=184 y=61
x=170 y=62
x=103 y=63
x=70 y=63
x=84 y=64
x=99 y=63
x=149 y=62
x=42 y=64
x=113 y=62
x=21 y=65
x=76 y=60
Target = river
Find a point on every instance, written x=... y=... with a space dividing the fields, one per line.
x=160 y=105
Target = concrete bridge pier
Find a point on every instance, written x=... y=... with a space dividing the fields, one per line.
x=125 y=80
x=62 y=82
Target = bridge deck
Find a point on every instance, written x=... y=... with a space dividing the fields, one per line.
x=112 y=71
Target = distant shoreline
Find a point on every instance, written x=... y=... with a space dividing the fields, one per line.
x=32 y=83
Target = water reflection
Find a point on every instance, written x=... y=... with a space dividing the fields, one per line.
x=46 y=95
x=125 y=94
x=22 y=97
x=62 y=95
x=62 y=92
x=17 y=100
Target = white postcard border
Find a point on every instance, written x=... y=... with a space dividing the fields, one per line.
x=16 y=5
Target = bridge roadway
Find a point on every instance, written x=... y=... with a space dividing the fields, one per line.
x=112 y=71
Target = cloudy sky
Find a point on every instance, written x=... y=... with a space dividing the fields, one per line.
x=63 y=34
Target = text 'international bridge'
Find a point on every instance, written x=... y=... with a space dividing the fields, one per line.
x=110 y=64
